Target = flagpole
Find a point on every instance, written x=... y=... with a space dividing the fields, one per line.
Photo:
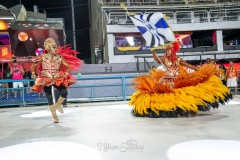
x=73 y=26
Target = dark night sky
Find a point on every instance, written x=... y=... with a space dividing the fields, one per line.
x=62 y=9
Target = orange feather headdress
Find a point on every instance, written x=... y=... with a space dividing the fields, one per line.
x=174 y=47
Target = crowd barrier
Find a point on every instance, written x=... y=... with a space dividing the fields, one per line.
x=162 y=2
x=86 y=89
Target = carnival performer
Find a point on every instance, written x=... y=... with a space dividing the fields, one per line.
x=173 y=92
x=55 y=66
x=222 y=73
x=232 y=77
x=171 y=63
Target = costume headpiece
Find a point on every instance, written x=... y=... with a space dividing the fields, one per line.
x=48 y=43
x=174 y=47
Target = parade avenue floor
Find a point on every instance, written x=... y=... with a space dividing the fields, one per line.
x=107 y=131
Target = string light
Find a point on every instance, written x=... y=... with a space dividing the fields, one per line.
x=67 y=11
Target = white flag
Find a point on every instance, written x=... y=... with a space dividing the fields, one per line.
x=154 y=29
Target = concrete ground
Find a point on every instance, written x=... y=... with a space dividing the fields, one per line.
x=109 y=130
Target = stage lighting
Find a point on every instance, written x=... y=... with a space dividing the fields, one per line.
x=22 y=36
x=14 y=57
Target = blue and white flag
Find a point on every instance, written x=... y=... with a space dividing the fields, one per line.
x=154 y=29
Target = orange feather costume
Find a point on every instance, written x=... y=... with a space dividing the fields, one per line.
x=187 y=94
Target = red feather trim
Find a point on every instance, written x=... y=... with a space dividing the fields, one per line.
x=175 y=47
x=68 y=55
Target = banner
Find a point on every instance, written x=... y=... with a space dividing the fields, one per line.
x=154 y=29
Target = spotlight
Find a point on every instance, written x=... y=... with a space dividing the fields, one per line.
x=14 y=57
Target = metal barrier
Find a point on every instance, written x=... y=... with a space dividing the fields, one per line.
x=87 y=89
x=224 y=15
x=162 y=2
x=181 y=17
x=120 y=18
x=19 y=96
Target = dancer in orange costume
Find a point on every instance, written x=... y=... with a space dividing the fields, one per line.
x=232 y=77
x=55 y=65
x=172 y=92
x=172 y=63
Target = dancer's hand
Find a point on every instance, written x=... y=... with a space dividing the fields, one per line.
x=34 y=76
x=65 y=75
x=198 y=68
x=56 y=76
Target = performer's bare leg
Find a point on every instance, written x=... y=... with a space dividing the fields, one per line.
x=235 y=91
x=20 y=94
x=15 y=94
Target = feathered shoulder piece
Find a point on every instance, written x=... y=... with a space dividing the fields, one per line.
x=68 y=55
x=175 y=46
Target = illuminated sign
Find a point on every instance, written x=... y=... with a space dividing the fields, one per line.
x=4 y=51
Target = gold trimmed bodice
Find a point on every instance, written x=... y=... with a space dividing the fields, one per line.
x=172 y=67
x=51 y=64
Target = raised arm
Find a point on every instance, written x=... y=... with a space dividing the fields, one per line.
x=185 y=64
x=155 y=57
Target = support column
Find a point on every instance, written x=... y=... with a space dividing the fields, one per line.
x=111 y=45
x=128 y=2
x=208 y=16
x=192 y=17
x=219 y=40
x=73 y=26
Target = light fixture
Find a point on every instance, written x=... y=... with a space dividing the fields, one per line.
x=130 y=41
x=27 y=25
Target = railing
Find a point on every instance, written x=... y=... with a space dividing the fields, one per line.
x=87 y=89
x=191 y=17
x=180 y=17
x=224 y=15
x=120 y=18
x=162 y=2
